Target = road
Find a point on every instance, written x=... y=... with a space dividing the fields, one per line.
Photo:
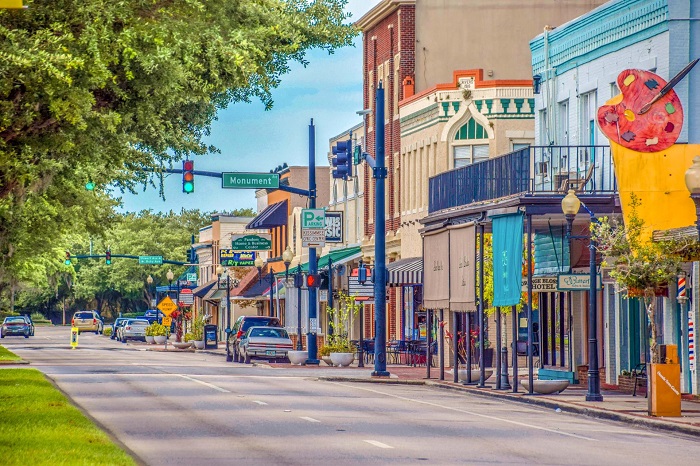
x=194 y=408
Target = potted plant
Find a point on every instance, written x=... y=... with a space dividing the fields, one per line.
x=198 y=332
x=160 y=333
x=149 y=335
x=325 y=353
x=342 y=351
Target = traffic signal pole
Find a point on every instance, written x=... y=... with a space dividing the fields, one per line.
x=311 y=343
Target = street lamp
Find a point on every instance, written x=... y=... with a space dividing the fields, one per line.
x=692 y=181
x=287 y=257
x=570 y=205
x=361 y=279
x=170 y=275
x=259 y=265
x=149 y=280
x=220 y=271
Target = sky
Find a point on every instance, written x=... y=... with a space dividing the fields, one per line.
x=329 y=90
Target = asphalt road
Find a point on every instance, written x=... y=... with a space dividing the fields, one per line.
x=193 y=408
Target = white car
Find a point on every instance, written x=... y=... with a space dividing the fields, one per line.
x=132 y=329
x=271 y=343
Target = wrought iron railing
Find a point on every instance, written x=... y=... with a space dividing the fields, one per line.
x=536 y=169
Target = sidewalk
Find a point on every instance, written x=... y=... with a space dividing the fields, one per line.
x=617 y=406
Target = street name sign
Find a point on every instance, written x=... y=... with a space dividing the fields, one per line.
x=150 y=260
x=240 y=180
x=313 y=219
x=231 y=258
x=251 y=243
x=167 y=306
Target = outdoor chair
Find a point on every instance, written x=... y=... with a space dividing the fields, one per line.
x=639 y=373
x=577 y=184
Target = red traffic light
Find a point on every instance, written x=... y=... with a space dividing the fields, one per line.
x=313 y=281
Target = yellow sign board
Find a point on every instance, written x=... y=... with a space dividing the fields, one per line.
x=11 y=4
x=74 y=332
x=167 y=306
x=167 y=321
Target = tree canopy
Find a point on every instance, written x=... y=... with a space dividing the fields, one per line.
x=110 y=92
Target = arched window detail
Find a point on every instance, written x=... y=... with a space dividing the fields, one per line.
x=471 y=130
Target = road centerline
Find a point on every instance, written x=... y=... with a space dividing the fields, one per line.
x=378 y=444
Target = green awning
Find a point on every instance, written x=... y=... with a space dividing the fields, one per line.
x=337 y=256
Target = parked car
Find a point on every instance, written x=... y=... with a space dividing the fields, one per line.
x=133 y=329
x=150 y=315
x=241 y=326
x=87 y=321
x=14 y=325
x=117 y=323
x=30 y=323
x=271 y=343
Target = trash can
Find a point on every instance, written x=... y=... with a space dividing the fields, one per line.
x=210 y=337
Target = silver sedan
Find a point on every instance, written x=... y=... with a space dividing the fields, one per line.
x=269 y=343
x=132 y=329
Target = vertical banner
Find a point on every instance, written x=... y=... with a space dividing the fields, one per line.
x=436 y=270
x=507 y=259
x=463 y=268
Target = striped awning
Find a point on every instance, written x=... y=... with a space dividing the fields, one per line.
x=273 y=216
x=405 y=272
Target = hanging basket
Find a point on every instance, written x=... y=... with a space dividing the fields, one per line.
x=633 y=292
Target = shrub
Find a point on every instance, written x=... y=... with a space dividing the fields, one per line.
x=107 y=331
x=324 y=350
x=189 y=336
x=158 y=330
x=198 y=328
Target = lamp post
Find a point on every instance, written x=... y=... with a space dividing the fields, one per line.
x=259 y=265
x=149 y=280
x=570 y=205
x=220 y=271
x=361 y=279
x=298 y=283
x=170 y=275
x=692 y=181
x=287 y=257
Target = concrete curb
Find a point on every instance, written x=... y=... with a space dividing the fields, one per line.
x=12 y=363
x=537 y=400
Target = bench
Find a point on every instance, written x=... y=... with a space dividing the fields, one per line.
x=639 y=373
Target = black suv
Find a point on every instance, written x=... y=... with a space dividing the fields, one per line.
x=242 y=325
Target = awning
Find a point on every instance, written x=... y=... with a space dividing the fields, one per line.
x=258 y=289
x=214 y=294
x=405 y=272
x=272 y=216
x=337 y=257
x=204 y=289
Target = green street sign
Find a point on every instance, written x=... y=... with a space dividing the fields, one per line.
x=150 y=260
x=240 y=180
x=313 y=219
x=251 y=243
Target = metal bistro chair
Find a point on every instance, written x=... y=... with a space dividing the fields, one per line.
x=368 y=348
x=394 y=349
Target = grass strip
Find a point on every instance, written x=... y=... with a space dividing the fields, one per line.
x=7 y=355
x=39 y=426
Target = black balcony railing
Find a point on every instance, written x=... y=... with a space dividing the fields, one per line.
x=536 y=169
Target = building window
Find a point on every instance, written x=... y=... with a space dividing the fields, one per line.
x=588 y=117
x=469 y=154
x=563 y=126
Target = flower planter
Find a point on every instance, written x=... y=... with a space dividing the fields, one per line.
x=464 y=373
x=150 y=339
x=327 y=360
x=198 y=344
x=297 y=357
x=342 y=359
x=160 y=339
x=545 y=387
x=182 y=344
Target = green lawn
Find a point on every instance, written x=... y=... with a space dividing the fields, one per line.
x=39 y=426
x=6 y=355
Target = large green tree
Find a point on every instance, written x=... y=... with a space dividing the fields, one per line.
x=110 y=91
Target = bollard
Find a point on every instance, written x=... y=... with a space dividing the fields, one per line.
x=505 y=384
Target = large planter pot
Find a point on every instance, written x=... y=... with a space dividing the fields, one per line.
x=198 y=344
x=545 y=387
x=327 y=360
x=342 y=359
x=182 y=344
x=464 y=373
x=297 y=357
x=150 y=339
x=160 y=339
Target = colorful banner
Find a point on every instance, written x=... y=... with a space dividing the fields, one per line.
x=507 y=259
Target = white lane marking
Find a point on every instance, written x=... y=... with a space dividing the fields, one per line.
x=261 y=403
x=378 y=444
x=485 y=416
x=310 y=419
x=206 y=384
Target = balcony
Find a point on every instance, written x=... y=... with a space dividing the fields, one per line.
x=534 y=170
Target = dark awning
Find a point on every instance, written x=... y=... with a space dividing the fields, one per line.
x=258 y=289
x=405 y=272
x=272 y=216
x=202 y=290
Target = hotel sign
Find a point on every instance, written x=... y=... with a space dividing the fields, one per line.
x=576 y=282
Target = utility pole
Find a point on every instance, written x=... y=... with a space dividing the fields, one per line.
x=311 y=342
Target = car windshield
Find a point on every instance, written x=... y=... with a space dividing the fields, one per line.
x=257 y=322
x=84 y=315
x=268 y=332
x=139 y=322
x=14 y=319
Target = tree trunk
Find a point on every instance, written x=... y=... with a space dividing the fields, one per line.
x=650 y=304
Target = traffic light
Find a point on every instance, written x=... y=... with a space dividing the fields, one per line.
x=188 y=176
x=298 y=280
x=67 y=262
x=108 y=257
x=362 y=275
x=342 y=159
x=313 y=280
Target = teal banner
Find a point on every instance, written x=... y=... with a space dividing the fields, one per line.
x=507 y=259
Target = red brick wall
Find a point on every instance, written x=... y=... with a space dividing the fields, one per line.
x=394 y=35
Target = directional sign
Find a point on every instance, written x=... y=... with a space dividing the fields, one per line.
x=313 y=238
x=250 y=180
x=313 y=219
x=150 y=260
x=191 y=277
x=251 y=243
x=186 y=297
x=167 y=306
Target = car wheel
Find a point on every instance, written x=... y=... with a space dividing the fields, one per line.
x=97 y=332
x=247 y=358
x=26 y=335
x=123 y=340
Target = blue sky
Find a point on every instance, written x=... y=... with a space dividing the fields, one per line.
x=329 y=90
